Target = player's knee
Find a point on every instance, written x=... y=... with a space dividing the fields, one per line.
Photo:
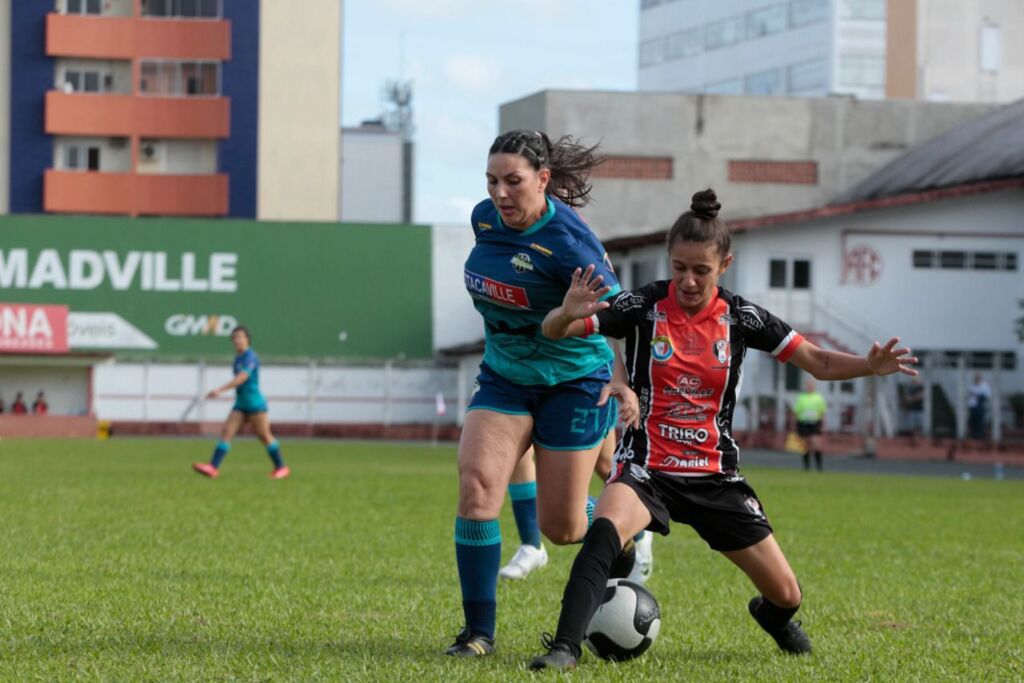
x=478 y=493
x=561 y=531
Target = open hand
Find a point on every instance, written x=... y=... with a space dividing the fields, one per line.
x=583 y=298
x=885 y=360
x=629 y=405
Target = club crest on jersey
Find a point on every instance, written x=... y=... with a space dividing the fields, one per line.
x=521 y=263
x=754 y=506
x=661 y=348
x=721 y=349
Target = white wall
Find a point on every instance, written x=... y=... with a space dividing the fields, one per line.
x=371 y=176
x=179 y=156
x=456 y=321
x=299 y=101
x=376 y=394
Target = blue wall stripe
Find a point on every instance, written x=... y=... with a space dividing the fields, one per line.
x=238 y=154
x=31 y=76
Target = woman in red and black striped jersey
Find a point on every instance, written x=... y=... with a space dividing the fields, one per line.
x=685 y=343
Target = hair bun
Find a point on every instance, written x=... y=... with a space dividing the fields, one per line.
x=705 y=204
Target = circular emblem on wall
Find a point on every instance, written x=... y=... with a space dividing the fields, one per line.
x=862 y=265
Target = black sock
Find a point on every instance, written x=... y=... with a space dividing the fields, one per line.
x=807 y=460
x=817 y=459
x=587 y=582
x=772 y=617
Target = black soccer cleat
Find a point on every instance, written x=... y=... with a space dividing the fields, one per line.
x=790 y=637
x=623 y=564
x=470 y=645
x=558 y=658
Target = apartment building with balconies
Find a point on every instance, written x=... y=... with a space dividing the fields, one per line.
x=169 y=107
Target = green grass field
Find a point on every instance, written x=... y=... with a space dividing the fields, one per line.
x=119 y=564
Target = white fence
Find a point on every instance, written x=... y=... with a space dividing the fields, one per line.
x=389 y=393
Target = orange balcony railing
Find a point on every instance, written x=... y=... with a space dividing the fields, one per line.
x=91 y=192
x=144 y=116
x=74 y=35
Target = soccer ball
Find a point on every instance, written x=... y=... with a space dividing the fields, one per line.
x=626 y=624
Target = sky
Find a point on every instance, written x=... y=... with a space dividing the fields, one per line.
x=466 y=58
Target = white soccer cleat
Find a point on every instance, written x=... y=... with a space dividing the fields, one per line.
x=644 y=559
x=526 y=560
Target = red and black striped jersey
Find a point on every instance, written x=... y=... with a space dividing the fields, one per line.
x=687 y=372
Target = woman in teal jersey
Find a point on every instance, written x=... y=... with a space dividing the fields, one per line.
x=250 y=406
x=530 y=390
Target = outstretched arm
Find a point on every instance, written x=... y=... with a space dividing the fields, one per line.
x=237 y=381
x=582 y=300
x=836 y=365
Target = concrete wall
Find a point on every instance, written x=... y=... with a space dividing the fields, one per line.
x=378 y=394
x=848 y=139
x=456 y=321
x=949 y=50
x=371 y=176
x=299 y=110
x=179 y=156
x=66 y=388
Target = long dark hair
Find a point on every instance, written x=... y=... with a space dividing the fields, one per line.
x=569 y=161
x=701 y=224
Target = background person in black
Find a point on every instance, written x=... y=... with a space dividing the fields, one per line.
x=666 y=325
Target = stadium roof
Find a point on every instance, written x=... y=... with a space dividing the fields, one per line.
x=989 y=147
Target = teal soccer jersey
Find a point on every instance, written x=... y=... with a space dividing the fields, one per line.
x=248 y=397
x=517 y=276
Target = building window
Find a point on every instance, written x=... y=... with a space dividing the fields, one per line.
x=777 y=274
x=722 y=33
x=984 y=260
x=763 y=83
x=806 y=12
x=1010 y=261
x=807 y=76
x=652 y=52
x=685 y=44
x=180 y=78
x=83 y=7
x=733 y=86
x=862 y=70
x=801 y=274
x=952 y=259
x=990 y=49
x=81 y=158
x=644 y=272
x=924 y=259
x=865 y=10
x=77 y=80
x=766 y=21
x=186 y=9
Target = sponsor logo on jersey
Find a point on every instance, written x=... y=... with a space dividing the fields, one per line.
x=496 y=292
x=726 y=319
x=721 y=349
x=483 y=226
x=687 y=435
x=639 y=473
x=688 y=386
x=543 y=250
x=687 y=412
x=521 y=263
x=692 y=345
x=656 y=316
x=661 y=348
x=627 y=301
x=751 y=318
x=690 y=463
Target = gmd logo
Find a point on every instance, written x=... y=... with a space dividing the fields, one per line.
x=188 y=325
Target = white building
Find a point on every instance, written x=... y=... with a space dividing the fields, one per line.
x=928 y=248
x=929 y=49
x=372 y=188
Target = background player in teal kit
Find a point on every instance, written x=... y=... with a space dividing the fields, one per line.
x=250 y=406
x=530 y=390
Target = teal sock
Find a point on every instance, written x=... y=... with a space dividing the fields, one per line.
x=274 y=451
x=478 y=556
x=524 y=507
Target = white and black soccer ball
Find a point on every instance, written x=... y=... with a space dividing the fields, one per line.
x=626 y=624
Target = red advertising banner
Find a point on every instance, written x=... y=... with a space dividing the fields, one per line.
x=31 y=328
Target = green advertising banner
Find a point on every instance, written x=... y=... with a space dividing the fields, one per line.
x=174 y=288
